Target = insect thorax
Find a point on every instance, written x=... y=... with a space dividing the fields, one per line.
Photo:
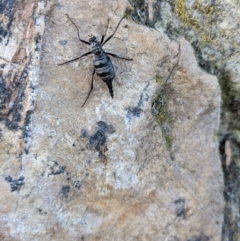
x=96 y=46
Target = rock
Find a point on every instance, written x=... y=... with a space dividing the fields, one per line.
x=141 y=166
x=212 y=28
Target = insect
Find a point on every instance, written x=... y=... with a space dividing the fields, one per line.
x=102 y=64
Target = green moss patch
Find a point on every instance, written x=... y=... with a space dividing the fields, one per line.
x=161 y=112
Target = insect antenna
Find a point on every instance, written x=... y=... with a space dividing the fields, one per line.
x=104 y=33
x=83 y=41
x=114 y=31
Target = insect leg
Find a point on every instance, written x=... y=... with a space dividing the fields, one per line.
x=90 y=89
x=116 y=56
x=114 y=31
x=83 y=41
x=102 y=39
x=75 y=58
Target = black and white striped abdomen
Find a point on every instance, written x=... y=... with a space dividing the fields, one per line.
x=105 y=70
x=104 y=67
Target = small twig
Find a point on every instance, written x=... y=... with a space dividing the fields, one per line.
x=178 y=54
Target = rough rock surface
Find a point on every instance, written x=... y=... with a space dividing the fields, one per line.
x=141 y=166
x=212 y=28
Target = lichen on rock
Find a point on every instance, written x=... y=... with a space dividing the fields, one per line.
x=141 y=166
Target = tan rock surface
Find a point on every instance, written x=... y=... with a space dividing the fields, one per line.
x=106 y=171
